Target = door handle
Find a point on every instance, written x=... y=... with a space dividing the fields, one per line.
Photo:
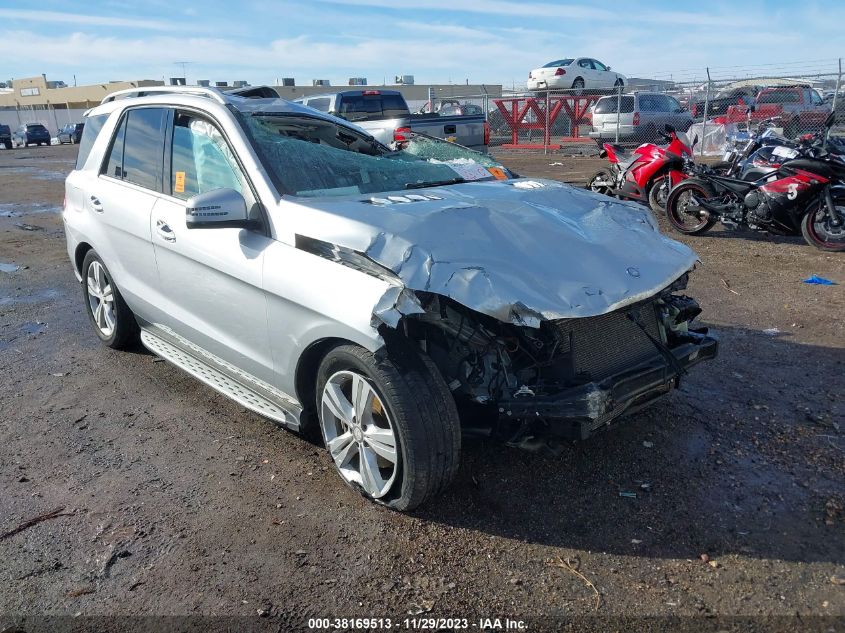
x=96 y=204
x=164 y=231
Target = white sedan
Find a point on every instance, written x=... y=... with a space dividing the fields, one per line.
x=579 y=74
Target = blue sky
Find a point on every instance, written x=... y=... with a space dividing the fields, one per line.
x=488 y=41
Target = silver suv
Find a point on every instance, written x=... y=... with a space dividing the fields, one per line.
x=373 y=297
x=642 y=116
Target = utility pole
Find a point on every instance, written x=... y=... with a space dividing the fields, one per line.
x=184 y=69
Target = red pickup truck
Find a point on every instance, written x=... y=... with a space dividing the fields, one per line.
x=800 y=108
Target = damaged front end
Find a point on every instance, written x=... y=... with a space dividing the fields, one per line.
x=567 y=378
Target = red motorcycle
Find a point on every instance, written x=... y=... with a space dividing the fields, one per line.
x=648 y=173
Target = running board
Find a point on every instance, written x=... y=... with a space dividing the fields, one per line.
x=243 y=388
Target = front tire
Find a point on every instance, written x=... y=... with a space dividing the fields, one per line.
x=389 y=423
x=112 y=319
x=684 y=216
x=817 y=230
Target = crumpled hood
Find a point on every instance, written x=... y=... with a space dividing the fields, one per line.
x=519 y=251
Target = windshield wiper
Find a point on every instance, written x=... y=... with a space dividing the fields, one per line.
x=436 y=183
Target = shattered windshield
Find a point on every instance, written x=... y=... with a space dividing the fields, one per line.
x=312 y=157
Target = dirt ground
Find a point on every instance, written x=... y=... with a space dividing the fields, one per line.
x=176 y=501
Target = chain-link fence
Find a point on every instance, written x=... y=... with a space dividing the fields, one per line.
x=715 y=110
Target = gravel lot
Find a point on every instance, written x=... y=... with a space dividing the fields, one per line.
x=178 y=502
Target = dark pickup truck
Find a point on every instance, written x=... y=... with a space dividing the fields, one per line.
x=6 y=136
x=718 y=105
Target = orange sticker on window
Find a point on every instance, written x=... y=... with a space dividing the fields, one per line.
x=179 y=185
x=498 y=173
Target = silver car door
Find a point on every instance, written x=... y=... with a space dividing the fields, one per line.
x=604 y=78
x=121 y=196
x=211 y=278
x=585 y=69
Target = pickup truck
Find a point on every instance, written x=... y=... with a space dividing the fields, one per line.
x=385 y=115
x=800 y=108
x=718 y=105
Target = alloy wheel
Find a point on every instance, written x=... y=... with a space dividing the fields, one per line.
x=101 y=298
x=359 y=433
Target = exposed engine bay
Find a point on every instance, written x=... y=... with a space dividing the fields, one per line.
x=566 y=378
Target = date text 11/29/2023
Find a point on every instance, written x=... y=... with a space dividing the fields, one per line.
x=418 y=624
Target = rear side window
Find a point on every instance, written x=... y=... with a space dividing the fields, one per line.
x=780 y=96
x=137 y=153
x=559 y=62
x=321 y=104
x=608 y=105
x=372 y=107
x=114 y=164
x=93 y=125
x=651 y=103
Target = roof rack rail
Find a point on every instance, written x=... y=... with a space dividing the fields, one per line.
x=212 y=93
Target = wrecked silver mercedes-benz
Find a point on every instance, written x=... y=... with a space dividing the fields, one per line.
x=387 y=297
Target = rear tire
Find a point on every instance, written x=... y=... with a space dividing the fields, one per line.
x=679 y=212
x=602 y=175
x=816 y=229
x=657 y=195
x=412 y=408
x=112 y=319
x=578 y=87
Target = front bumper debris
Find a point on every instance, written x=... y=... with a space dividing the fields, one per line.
x=579 y=412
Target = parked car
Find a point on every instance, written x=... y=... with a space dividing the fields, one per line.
x=384 y=114
x=31 y=134
x=718 y=104
x=643 y=116
x=578 y=74
x=70 y=133
x=6 y=136
x=800 y=109
x=368 y=295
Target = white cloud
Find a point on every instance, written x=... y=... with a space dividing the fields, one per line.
x=90 y=20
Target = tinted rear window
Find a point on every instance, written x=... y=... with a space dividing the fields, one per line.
x=780 y=96
x=93 y=125
x=559 y=62
x=36 y=128
x=608 y=105
x=372 y=107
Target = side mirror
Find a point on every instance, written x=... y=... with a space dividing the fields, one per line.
x=608 y=67
x=220 y=208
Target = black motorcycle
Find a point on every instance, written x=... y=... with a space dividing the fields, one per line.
x=805 y=194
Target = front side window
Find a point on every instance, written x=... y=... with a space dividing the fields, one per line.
x=202 y=160
x=598 y=65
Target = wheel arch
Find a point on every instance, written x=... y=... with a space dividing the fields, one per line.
x=79 y=255
x=305 y=375
x=576 y=79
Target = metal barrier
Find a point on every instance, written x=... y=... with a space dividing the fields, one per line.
x=517 y=115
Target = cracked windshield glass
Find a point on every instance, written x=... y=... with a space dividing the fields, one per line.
x=314 y=158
